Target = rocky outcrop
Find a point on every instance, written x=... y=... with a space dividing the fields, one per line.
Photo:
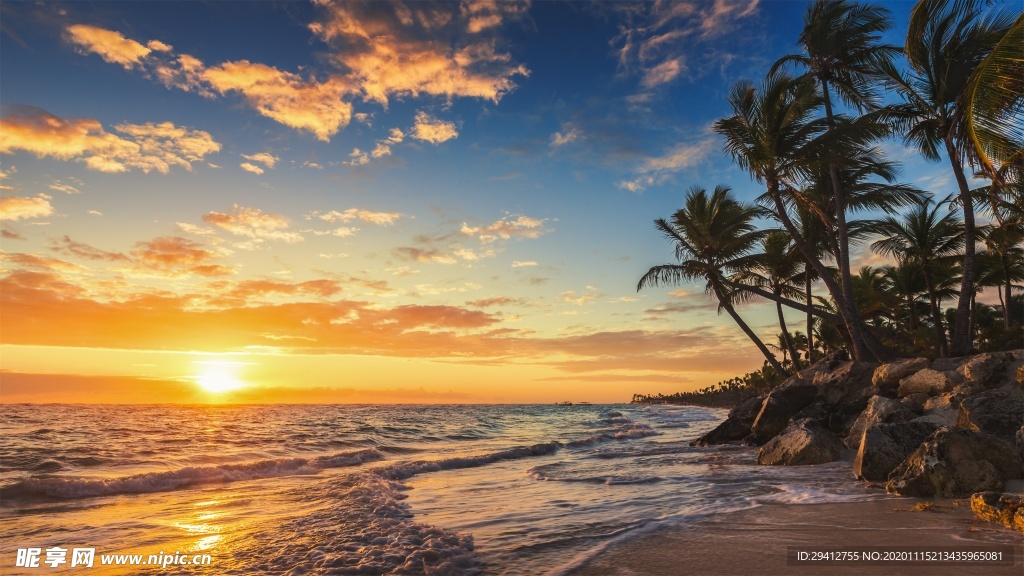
x=887 y=376
x=985 y=371
x=915 y=402
x=1006 y=509
x=801 y=444
x=927 y=381
x=736 y=427
x=781 y=404
x=879 y=409
x=999 y=412
x=844 y=379
x=884 y=446
x=955 y=463
x=1019 y=440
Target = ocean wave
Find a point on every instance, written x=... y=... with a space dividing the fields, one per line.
x=408 y=470
x=540 y=474
x=628 y=432
x=68 y=487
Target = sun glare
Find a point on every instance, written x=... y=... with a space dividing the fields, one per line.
x=218 y=378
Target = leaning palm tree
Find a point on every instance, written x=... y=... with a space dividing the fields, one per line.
x=713 y=235
x=774 y=136
x=926 y=237
x=777 y=268
x=947 y=40
x=843 y=53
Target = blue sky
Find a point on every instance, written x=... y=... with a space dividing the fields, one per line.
x=482 y=176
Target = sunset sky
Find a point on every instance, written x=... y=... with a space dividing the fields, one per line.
x=385 y=202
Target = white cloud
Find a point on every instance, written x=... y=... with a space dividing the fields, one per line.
x=523 y=263
x=506 y=228
x=251 y=168
x=25 y=207
x=659 y=169
x=265 y=158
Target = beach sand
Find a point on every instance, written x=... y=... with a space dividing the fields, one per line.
x=755 y=541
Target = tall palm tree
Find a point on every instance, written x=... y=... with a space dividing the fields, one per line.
x=713 y=235
x=994 y=99
x=1004 y=241
x=926 y=237
x=842 y=52
x=774 y=136
x=776 y=268
x=947 y=40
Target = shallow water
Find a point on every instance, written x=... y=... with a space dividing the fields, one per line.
x=374 y=489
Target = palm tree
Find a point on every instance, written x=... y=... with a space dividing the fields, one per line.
x=776 y=268
x=1004 y=241
x=925 y=237
x=993 y=99
x=843 y=53
x=773 y=134
x=713 y=235
x=906 y=281
x=947 y=41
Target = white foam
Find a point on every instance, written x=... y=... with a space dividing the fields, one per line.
x=67 y=487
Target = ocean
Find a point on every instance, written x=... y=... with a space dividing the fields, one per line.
x=342 y=489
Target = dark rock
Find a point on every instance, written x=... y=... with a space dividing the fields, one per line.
x=998 y=507
x=954 y=463
x=915 y=402
x=885 y=446
x=824 y=365
x=948 y=364
x=782 y=404
x=845 y=413
x=925 y=381
x=815 y=413
x=879 y=409
x=801 y=444
x=999 y=412
x=1019 y=440
x=887 y=376
x=845 y=378
x=985 y=371
x=736 y=427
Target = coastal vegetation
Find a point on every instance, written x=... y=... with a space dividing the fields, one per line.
x=811 y=133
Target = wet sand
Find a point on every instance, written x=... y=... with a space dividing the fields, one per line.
x=755 y=541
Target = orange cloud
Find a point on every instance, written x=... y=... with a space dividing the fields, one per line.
x=25 y=207
x=430 y=129
x=506 y=228
x=253 y=223
x=110 y=45
x=381 y=218
x=177 y=255
x=150 y=146
x=285 y=97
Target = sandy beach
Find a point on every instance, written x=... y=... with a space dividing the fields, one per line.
x=755 y=541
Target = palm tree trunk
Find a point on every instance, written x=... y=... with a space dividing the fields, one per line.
x=1007 y=321
x=940 y=332
x=851 y=318
x=786 y=337
x=810 y=317
x=781 y=299
x=746 y=330
x=912 y=313
x=962 y=341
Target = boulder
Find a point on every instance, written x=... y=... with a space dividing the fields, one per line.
x=815 y=413
x=847 y=377
x=955 y=463
x=879 y=409
x=885 y=446
x=1020 y=375
x=949 y=364
x=736 y=426
x=999 y=412
x=985 y=371
x=999 y=507
x=887 y=376
x=823 y=365
x=915 y=402
x=845 y=413
x=925 y=381
x=781 y=404
x=801 y=444
x=1019 y=440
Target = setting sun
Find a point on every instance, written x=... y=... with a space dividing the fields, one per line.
x=218 y=378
